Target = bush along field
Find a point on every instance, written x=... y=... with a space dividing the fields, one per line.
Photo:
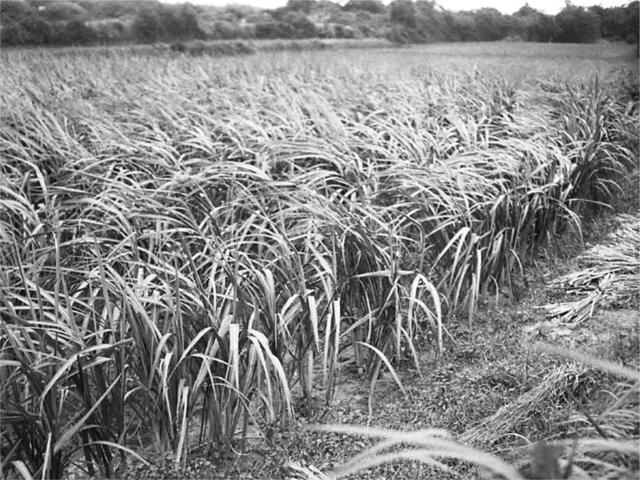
x=192 y=252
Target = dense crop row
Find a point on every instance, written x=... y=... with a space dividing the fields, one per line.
x=183 y=242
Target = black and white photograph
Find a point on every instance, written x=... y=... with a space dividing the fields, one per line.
x=319 y=239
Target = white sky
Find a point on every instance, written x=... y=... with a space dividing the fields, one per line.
x=505 y=6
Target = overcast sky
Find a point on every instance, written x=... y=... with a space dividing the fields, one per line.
x=505 y=6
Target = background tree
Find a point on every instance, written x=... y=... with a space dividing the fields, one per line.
x=38 y=31
x=430 y=21
x=490 y=24
x=300 y=5
x=74 y=32
x=533 y=26
x=62 y=11
x=577 y=25
x=12 y=34
x=180 y=22
x=12 y=14
x=403 y=12
x=84 y=22
x=110 y=31
x=223 y=30
x=618 y=23
x=273 y=29
x=102 y=9
x=147 y=26
x=300 y=24
x=633 y=12
x=13 y=11
x=371 y=6
x=461 y=27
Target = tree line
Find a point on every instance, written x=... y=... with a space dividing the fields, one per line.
x=93 y=22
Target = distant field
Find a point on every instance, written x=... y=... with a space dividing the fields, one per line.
x=520 y=62
x=219 y=48
x=529 y=61
x=194 y=247
x=514 y=60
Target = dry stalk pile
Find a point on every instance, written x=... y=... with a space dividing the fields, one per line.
x=611 y=275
